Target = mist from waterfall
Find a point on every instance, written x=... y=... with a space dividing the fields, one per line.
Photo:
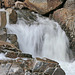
x=43 y=38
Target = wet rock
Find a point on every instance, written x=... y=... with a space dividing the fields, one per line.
x=41 y=65
x=16 y=70
x=2 y=19
x=17 y=54
x=12 y=16
x=31 y=67
x=6 y=47
x=59 y=71
x=42 y=6
x=3 y=35
x=12 y=67
x=54 y=71
x=27 y=16
x=23 y=55
x=11 y=54
x=49 y=71
x=66 y=18
x=12 y=38
x=9 y=3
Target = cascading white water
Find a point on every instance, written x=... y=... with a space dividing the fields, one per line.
x=43 y=38
x=46 y=39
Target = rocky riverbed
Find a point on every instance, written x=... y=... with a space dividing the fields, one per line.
x=17 y=63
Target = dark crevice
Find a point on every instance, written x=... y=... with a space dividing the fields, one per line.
x=59 y=7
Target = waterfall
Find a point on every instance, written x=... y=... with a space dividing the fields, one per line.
x=43 y=38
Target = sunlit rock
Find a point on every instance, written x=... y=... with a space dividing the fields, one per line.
x=42 y=6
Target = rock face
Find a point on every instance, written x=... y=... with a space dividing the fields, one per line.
x=42 y=6
x=30 y=67
x=2 y=19
x=12 y=16
x=66 y=18
x=24 y=64
x=9 y=3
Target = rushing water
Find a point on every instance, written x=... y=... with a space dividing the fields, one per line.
x=43 y=38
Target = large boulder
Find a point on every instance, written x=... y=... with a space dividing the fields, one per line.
x=3 y=20
x=66 y=18
x=12 y=16
x=42 y=6
x=70 y=4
